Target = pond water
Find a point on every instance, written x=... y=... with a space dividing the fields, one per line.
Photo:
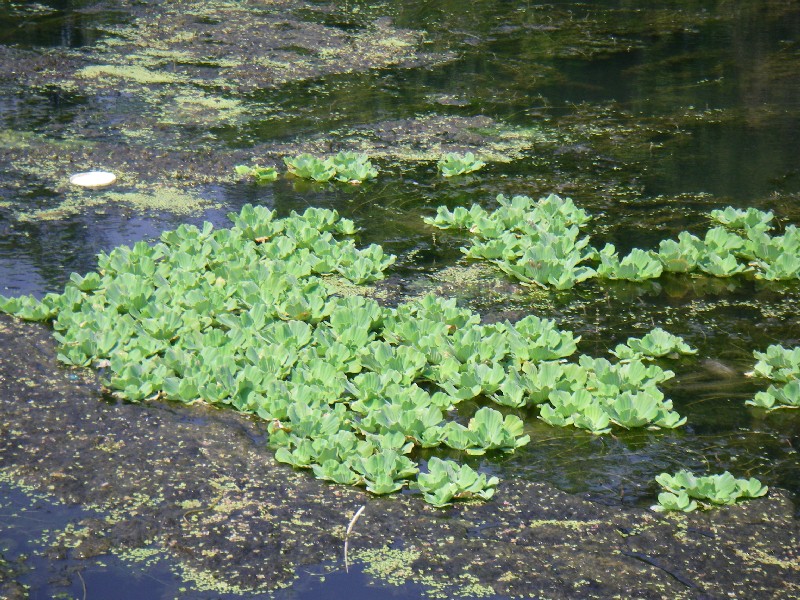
x=647 y=116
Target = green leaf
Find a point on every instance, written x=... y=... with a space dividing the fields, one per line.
x=738 y=219
x=636 y=266
x=594 y=418
x=335 y=471
x=655 y=344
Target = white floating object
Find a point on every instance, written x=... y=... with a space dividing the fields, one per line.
x=93 y=179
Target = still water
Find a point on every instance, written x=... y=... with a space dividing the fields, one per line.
x=648 y=117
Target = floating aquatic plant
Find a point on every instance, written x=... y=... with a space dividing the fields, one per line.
x=542 y=243
x=784 y=396
x=681 y=256
x=349 y=167
x=352 y=167
x=311 y=167
x=636 y=266
x=685 y=491
x=738 y=219
x=778 y=363
x=655 y=344
x=452 y=164
x=781 y=365
x=260 y=174
x=244 y=317
x=598 y=393
x=446 y=481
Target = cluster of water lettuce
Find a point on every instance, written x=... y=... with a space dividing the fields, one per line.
x=781 y=365
x=247 y=317
x=542 y=242
x=684 y=490
x=348 y=167
x=453 y=164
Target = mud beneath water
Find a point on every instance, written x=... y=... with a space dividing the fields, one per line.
x=198 y=486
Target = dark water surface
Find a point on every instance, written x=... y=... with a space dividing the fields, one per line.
x=648 y=115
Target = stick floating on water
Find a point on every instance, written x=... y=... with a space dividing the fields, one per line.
x=347 y=535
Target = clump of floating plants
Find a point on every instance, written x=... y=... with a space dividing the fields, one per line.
x=248 y=318
x=353 y=167
x=543 y=243
x=452 y=164
x=307 y=166
x=685 y=491
x=349 y=167
x=656 y=344
x=782 y=366
x=260 y=174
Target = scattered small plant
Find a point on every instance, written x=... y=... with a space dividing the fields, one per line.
x=452 y=164
x=685 y=491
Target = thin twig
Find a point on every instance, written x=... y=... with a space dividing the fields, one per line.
x=347 y=535
x=83 y=583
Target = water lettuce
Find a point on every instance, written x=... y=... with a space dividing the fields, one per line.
x=260 y=174
x=781 y=365
x=541 y=242
x=249 y=318
x=685 y=491
x=452 y=164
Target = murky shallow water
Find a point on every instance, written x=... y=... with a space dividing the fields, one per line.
x=647 y=117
